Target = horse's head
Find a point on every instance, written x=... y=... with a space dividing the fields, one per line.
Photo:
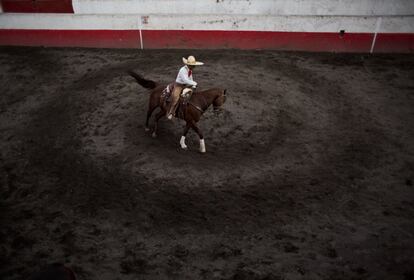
x=219 y=100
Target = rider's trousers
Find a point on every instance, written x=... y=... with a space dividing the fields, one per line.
x=175 y=96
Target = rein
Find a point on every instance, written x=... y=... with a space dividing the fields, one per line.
x=198 y=107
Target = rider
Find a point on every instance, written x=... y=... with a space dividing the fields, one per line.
x=184 y=79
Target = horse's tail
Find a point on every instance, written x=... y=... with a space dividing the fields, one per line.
x=143 y=82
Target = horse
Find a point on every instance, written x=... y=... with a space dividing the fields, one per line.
x=199 y=102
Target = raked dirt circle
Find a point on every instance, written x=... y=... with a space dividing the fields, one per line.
x=261 y=127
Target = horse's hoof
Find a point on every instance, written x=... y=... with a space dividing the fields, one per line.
x=202 y=151
x=154 y=135
x=184 y=148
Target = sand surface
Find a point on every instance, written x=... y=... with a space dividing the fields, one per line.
x=308 y=172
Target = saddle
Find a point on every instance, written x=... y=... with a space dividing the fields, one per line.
x=185 y=97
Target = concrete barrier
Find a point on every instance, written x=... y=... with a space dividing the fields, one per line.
x=317 y=25
x=248 y=7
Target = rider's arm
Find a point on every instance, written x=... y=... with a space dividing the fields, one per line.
x=184 y=79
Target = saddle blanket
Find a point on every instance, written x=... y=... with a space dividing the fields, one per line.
x=166 y=93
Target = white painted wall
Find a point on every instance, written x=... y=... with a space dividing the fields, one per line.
x=359 y=16
x=390 y=24
x=248 y=7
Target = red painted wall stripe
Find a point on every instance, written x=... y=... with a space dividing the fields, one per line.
x=71 y=38
x=37 y=6
x=402 y=42
x=301 y=41
x=306 y=41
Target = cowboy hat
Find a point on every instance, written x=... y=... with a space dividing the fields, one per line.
x=192 y=61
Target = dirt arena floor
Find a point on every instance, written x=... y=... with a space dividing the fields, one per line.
x=308 y=173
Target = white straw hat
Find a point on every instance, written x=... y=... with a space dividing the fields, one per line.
x=192 y=61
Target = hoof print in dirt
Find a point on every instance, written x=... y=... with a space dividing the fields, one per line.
x=135 y=260
x=180 y=252
x=174 y=265
x=137 y=266
x=331 y=253
x=225 y=252
x=54 y=271
x=290 y=248
x=253 y=274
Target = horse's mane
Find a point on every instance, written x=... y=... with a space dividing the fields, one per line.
x=206 y=91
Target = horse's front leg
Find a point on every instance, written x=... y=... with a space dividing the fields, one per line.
x=182 y=140
x=200 y=135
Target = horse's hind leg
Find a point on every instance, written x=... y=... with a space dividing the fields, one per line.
x=151 y=109
x=200 y=135
x=159 y=115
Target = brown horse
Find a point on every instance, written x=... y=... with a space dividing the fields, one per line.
x=198 y=104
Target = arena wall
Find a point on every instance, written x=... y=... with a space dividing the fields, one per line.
x=308 y=25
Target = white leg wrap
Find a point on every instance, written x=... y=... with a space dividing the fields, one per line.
x=202 y=146
x=182 y=142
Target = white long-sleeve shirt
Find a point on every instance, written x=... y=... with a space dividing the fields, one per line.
x=184 y=78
